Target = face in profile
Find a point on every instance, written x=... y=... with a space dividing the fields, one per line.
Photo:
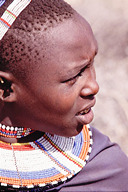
x=60 y=96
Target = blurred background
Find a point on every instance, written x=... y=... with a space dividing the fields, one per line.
x=109 y=21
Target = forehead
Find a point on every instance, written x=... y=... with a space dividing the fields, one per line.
x=69 y=44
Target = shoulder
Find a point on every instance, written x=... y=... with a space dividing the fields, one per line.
x=106 y=170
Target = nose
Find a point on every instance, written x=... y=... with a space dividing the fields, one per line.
x=90 y=86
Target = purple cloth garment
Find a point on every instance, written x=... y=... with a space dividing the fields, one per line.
x=106 y=170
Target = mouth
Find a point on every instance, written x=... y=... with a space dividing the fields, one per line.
x=83 y=112
x=85 y=116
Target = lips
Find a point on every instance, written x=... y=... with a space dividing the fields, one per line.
x=86 y=109
x=85 y=116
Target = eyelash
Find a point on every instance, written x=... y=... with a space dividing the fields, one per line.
x=74 y=79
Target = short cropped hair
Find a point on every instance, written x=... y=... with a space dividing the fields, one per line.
x=18 y=45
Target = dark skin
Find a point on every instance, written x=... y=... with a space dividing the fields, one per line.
x=61 y=92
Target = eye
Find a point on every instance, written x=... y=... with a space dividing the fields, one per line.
x=73 y=80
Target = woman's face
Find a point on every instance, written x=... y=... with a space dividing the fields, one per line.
x=61 y=94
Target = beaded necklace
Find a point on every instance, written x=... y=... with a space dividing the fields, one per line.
x=44 y=163
x=14 y=132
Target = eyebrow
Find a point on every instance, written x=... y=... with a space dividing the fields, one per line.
x=83 y=64
x=86 y=61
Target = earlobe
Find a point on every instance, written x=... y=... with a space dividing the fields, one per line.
x=7 y=93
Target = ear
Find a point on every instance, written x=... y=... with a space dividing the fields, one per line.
x=7 y=91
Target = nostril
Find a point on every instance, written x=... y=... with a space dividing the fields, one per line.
x=90 y=97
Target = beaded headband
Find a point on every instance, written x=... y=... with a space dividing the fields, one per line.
x=11 y=13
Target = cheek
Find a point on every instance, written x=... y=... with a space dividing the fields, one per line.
x=58 y=99
x=66 y=101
